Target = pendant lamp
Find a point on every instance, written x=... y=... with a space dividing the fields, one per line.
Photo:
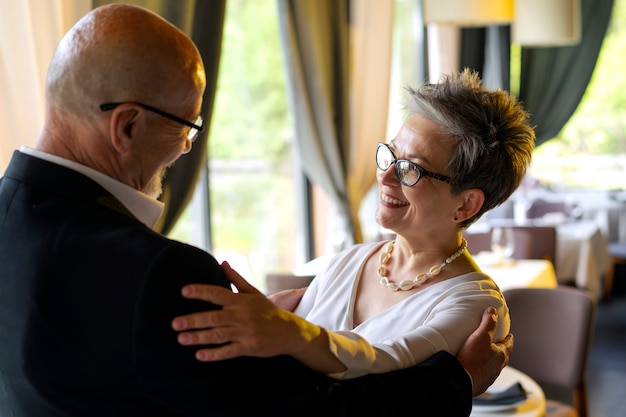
x=547 y=22
x=469 y=12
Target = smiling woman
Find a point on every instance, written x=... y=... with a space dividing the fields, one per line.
x=386 y=305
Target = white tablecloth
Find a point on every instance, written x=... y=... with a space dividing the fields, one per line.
x=581 y=255
x=609 y=216
x=606 y=208
x=535 y=405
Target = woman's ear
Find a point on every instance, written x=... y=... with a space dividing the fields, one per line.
x=124 y=127
x=471 y=202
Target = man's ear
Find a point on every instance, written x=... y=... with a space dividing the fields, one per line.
x=471 y=202
x=124 y=127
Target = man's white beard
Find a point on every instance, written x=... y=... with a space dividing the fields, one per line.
x=155 y=188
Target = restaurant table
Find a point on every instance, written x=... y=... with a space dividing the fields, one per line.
x=520 y=273
x=581 y=250
x=534 y=406
x=610 y=216
x=607 y=208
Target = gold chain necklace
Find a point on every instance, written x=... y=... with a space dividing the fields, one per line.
x=419 y=279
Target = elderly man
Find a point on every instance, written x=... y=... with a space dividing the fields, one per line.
x=89 y=291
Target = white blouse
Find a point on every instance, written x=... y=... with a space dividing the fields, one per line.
x=439 y=317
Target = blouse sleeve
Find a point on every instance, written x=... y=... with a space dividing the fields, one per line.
x=446 y=327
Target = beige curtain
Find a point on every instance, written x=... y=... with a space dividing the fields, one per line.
x=370 y=67
x=29 y=33
x=337 y=57
x=315 y=40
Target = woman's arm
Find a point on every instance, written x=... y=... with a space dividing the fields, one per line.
x=249 y=324
x=258 y=328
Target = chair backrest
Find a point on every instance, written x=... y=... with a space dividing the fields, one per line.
x=523 y=244
x=275 y=282
x=478 y=241
x=553 y=329
x=539 y=208
x=543 y=241
x=481 y=241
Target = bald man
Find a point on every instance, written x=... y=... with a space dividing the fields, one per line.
x=88 y=291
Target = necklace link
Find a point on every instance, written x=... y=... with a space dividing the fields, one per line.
x=408 y=284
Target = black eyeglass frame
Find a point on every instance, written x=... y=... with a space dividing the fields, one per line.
x=192 y=135
x=423 y=172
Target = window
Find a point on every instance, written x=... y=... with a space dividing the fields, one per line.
x=253 y=221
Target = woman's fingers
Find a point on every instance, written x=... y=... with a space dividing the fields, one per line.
x=237 y=280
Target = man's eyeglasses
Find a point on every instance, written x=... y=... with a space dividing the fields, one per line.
x=195 y=127
x=408 y=172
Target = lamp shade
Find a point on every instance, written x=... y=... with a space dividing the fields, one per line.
x=469 y=12
x=547 y=22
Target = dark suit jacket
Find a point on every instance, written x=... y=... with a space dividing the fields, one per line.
x=87 y=295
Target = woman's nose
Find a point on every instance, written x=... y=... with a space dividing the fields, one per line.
x=388 y=176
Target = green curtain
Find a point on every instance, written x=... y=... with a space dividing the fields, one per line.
x=553 y=80
x=488 y=51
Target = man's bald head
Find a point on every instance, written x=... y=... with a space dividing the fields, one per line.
x=120 y=53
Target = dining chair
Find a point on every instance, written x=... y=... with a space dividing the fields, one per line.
x=478 y=241
x=481 y=241
x=543 y=241
x=275 y=282
x=617 y=253
x=553 y=329
x=539 y=208
x=523 y=244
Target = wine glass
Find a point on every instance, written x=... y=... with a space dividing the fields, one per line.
x=502 y=243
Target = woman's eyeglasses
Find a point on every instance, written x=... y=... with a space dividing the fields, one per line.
x=407 y=172
x=195 y=127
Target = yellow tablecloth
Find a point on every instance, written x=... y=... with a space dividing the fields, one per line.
x=518 y=273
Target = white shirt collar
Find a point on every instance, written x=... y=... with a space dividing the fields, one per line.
x=145 y=208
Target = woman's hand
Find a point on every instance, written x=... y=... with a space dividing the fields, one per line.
x=287 y=299
x=249 y=324
x=481 y=357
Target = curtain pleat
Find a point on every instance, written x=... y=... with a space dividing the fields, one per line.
x=338 y=56
x=314 y=35
x=473 y=42
x=29 y=33
x=488 y=51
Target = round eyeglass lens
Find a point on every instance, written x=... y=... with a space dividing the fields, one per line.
x=407 y=172
x=383 y=157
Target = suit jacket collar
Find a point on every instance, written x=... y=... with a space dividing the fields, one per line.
x=64 y=181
